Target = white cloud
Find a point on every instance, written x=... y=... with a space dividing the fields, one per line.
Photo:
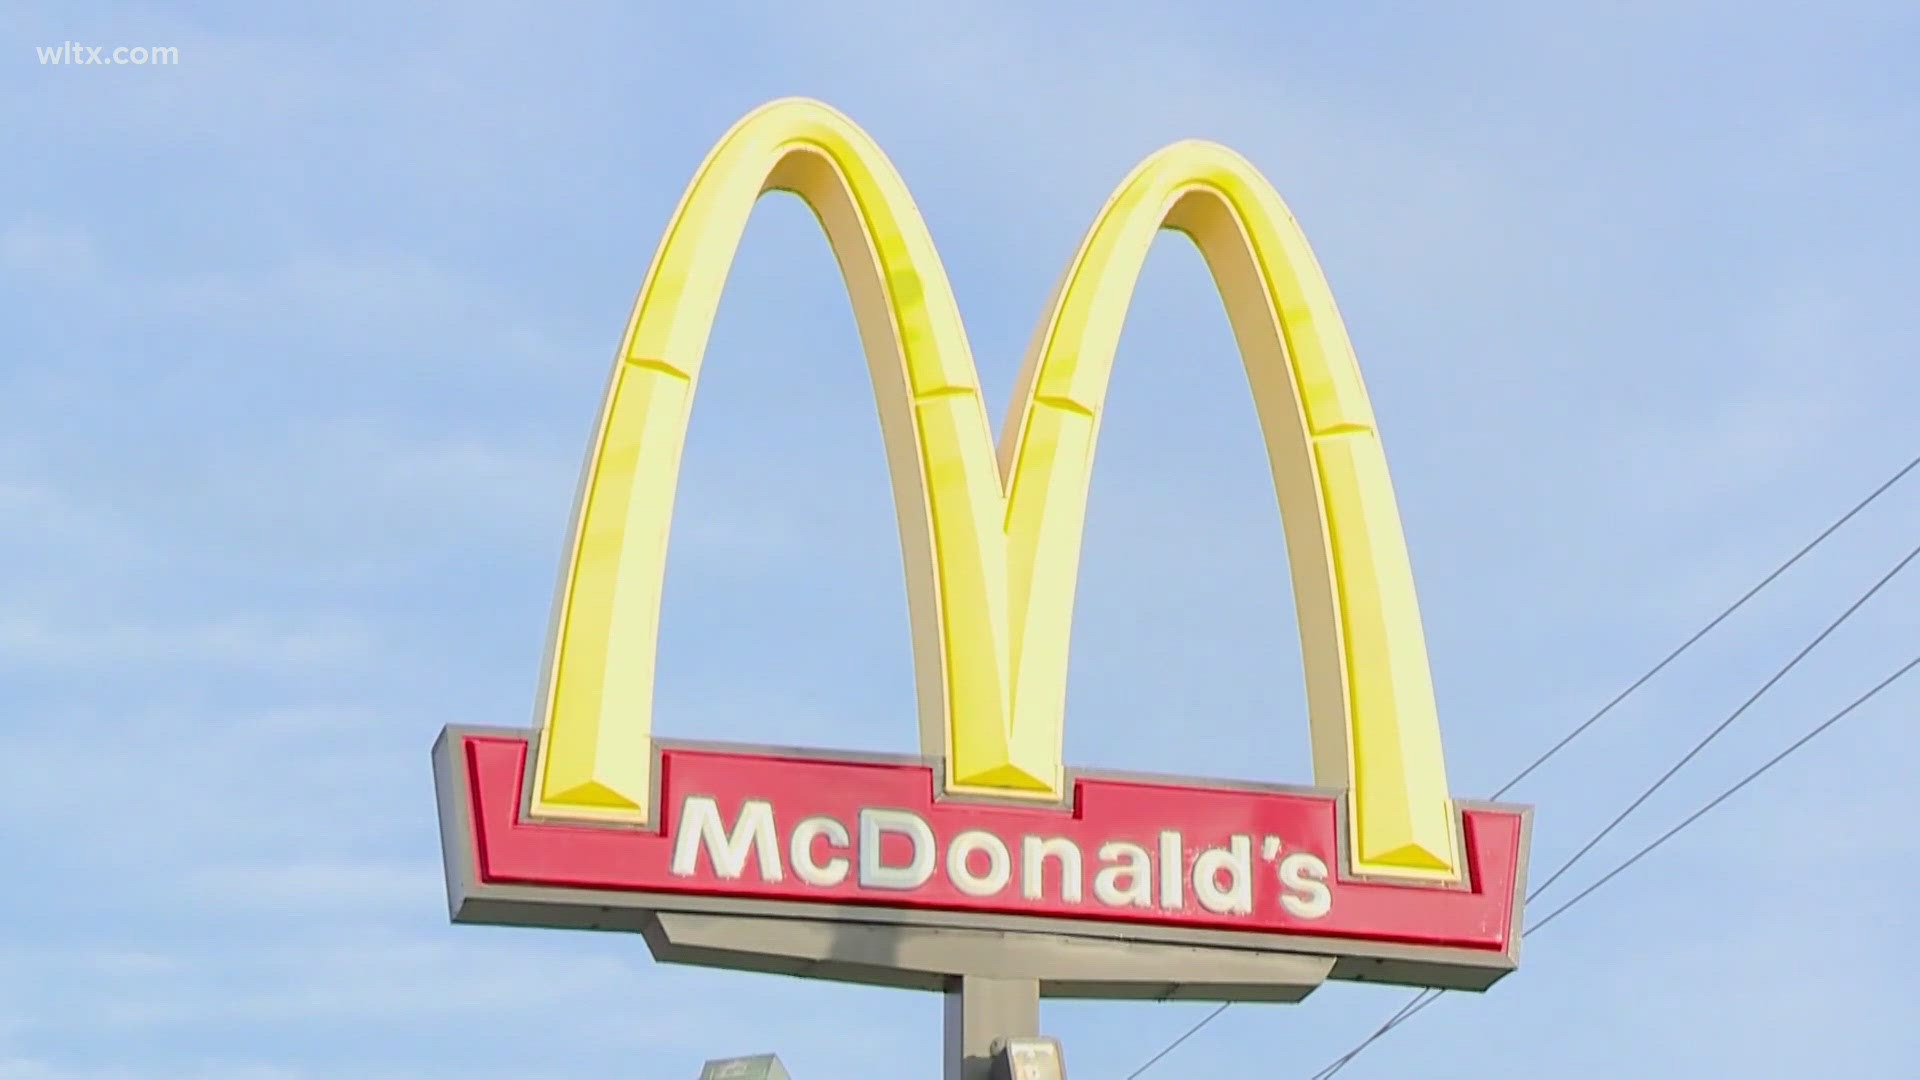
x=316 y=288
x=242 y=641
x=46 y=252
x=235 y=790
x=128 y=963
x=32 y=1068
x=286 y=970
x=298 y=887
x=36 y=513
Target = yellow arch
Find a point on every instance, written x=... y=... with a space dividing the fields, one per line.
x=595 y=750
x=992 y=547
x=1370 y=694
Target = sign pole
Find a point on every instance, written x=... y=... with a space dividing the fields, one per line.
x=978 y=1011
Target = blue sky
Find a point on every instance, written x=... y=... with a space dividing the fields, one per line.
x=307 y=336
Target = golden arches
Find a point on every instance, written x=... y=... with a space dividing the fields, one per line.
x=992 y=547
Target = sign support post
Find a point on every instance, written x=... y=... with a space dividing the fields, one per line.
x=980 y=1010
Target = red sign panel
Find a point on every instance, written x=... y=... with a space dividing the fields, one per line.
x=763 y=826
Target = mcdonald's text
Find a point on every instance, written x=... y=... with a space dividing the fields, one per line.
x=981 y=863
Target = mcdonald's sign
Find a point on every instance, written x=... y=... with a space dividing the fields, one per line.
x=984 y=849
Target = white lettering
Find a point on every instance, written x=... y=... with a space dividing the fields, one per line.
x=1137 y=869
x=700 y=827
x=873 y=825
x=1236 y=861
x=999 y=863
x=72 y=52
x=1303 y=878
x=800 y=852
x=1171 y=865
x=1033 y=855
x=898 y=850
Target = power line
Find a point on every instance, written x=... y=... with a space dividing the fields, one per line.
x=1656 y=669
x=1407 y=1011
x=1416 y=1005
x=1724 y=724
x=1190 y=1033
x=1419 y=1001
x=1582 y=727
x=1427 y=997
x=1783 y=755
